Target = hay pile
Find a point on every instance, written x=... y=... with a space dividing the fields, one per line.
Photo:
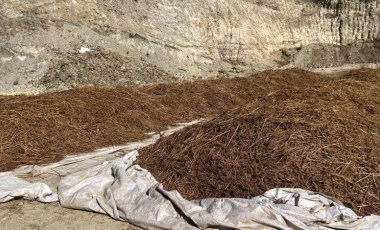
x=45 y=128
x=324 y=137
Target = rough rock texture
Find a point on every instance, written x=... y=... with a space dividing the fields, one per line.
x=182 y=38
x=100 y=69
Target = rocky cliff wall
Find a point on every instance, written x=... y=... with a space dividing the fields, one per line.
x=184 y=38
x=243 y=32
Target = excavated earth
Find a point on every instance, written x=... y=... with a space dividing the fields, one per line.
x=143 y=42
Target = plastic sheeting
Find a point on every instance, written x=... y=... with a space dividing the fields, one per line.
x=12 y=187
x=129 y=193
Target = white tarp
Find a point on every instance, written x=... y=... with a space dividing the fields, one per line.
x=129 y=193
x=12 y=187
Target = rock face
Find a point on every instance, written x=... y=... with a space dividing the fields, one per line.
x=184 y=38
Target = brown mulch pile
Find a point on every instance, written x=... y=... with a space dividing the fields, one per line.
x=322 y=137
x=289 y=128
x=45 y=128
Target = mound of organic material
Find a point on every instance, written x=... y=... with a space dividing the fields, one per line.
x=323 y=138
x=45 y=128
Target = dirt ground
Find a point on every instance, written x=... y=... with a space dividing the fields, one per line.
x=20 y=214
x=100 y=68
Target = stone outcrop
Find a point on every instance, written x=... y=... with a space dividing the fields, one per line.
x=186 y=38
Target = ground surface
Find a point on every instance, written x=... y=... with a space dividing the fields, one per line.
x=22 y=214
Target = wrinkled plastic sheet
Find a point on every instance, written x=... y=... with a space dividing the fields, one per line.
x=12 y=187
x=130 y=193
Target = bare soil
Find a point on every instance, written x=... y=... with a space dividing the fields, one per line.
x=100 y=68
x=34 y=215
